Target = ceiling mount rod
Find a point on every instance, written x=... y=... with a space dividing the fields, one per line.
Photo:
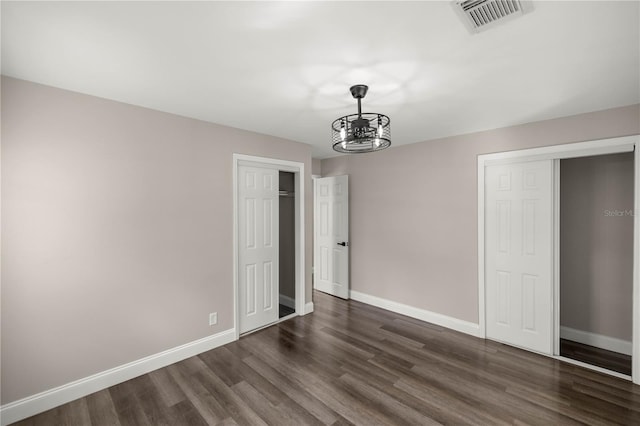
x=359 y=91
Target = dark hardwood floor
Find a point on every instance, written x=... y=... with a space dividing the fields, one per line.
x=350 y=363
x=595 y=356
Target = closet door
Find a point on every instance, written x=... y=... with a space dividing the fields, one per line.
x=258 y=235
x=518 y=250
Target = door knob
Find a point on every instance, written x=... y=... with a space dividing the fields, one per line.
x=343 y=244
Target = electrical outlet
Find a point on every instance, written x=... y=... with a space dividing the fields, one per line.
x=213 y=318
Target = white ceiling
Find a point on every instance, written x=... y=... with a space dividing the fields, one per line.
x=285 y=68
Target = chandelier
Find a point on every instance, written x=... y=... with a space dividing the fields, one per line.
x=361 y=132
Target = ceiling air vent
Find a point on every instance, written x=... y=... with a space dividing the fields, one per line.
x=479 y=15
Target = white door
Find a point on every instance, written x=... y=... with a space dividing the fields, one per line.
x=331 y=247
x=518 y=247
x=258 y=225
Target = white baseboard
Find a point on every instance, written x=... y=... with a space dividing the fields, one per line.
x=421 y=314
x=308 y=308
x=598 y=340
x=287 y=301
x=27 y=407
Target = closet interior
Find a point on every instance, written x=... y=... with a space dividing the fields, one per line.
x=287 y=267
x=596 y=260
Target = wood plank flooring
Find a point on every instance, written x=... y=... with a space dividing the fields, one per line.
x=595 y=356
x=350 y=363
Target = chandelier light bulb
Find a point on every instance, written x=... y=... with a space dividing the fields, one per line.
x=343 y=133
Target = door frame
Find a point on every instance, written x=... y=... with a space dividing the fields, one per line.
x=558 y=152
x=297 y=168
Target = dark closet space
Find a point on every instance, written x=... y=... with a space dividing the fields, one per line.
x=287 y=272
x=596 y=260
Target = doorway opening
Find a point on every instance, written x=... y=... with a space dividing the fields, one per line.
x=287 y=243
x=268 y=244
x=596 y=260
x=519 y=253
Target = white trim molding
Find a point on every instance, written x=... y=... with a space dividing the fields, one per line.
x=32 y=405
x=569 y=150
x=556 y=152
x=308 y=308
x=287 y=301
x=297 y=168
x=597 y=340
x=417 y=313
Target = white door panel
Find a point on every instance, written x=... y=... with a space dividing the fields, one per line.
x=518 y=247
x=258 y=209
x=331 y=258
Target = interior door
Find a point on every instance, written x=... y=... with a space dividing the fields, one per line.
x=518 y=247
x=258 y=223
x=331 y=251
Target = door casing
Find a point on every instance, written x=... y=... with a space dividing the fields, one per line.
x=558 y=152
x=297 y=168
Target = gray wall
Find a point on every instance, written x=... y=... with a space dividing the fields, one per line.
x=596 y=244
x=116 y=232
x=316 y=167
x=287 y=246
x=413 y=208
